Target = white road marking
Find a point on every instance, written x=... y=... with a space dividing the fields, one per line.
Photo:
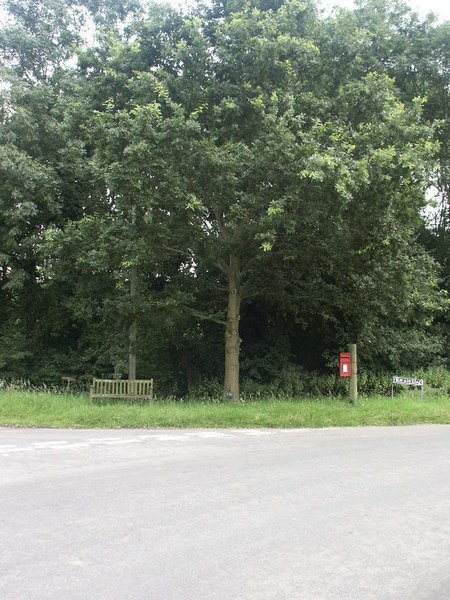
x=24 y=449
x=181 y=436
x=103 y=440
x=73 y=445
x=173 y=438
x=46 y=444
x=211 y=434
x=127 y=441
x=76 y=562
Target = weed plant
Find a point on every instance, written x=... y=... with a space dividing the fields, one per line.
x=291 y=383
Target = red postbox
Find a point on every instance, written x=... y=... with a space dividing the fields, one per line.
x=345 y=364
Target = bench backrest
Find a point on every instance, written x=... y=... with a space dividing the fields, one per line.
x=118 y=388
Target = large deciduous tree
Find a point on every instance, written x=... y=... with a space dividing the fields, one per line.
x=283 y=142
x=42 y=175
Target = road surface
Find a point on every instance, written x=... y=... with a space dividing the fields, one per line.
x=352 y=514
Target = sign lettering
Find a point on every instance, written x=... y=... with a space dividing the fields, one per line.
x=407 y=381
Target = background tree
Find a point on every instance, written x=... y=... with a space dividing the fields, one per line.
x=42 y=179
x=255 y=168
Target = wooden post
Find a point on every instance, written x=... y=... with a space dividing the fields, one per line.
x=354 y=375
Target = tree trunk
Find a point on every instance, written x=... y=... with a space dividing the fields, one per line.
x=192 y=375
x=132 y=331
x=232 y=341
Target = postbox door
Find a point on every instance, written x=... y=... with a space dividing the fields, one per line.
x=345 y=364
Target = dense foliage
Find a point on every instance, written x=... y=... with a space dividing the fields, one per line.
x=243 y=187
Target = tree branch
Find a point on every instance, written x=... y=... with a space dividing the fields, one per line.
x=219 y=218
x=205 y=317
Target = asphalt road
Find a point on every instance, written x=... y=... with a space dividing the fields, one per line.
x=233 y=515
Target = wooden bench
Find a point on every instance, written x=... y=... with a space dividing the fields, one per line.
x=137 y=389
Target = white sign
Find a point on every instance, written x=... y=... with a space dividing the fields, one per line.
x=407 y=381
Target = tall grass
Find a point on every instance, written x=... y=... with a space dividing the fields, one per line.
x=292 y=382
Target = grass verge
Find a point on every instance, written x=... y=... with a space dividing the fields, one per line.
x=35 y=409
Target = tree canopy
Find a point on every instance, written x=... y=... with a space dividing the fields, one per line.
x=223 y=193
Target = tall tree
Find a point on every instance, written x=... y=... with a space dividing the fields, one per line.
x=387 y=37
x=280 y=147
x=137 y=136
x=41 y=168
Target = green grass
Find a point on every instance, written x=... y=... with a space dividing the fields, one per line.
x=38 y=409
